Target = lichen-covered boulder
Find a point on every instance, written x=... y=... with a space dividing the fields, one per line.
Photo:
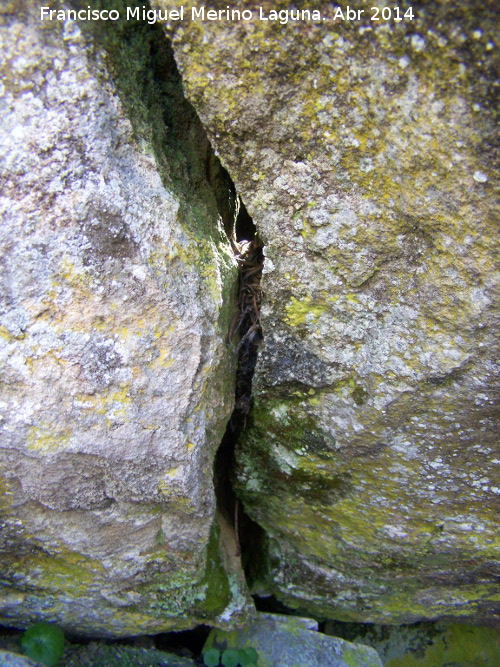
x=118 y=285
x=367 y=153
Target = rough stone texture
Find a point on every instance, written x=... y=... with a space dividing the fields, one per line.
x=8 y=659
x=367 y=154
x=289 y=641
x=425 y=644
x=117 y=292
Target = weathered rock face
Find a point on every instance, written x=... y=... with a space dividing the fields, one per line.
x=117 y=292
x=367 y=154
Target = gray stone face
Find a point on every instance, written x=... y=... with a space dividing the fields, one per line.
x=289 y=641
x=367 y=154
x=117 y=294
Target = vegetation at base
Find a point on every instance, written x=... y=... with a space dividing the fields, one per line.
x=44 y=643
x=245 y=657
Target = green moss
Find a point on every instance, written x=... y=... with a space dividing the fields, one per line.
x=215 y=579
x=199 y=591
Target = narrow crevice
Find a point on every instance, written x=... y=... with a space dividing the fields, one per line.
x=244 y=336
x=244 y=228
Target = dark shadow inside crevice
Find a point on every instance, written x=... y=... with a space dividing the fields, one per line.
x=244 y=227
x=271 y=605
x=254 y=555
x=187 y=643
x=245 y=336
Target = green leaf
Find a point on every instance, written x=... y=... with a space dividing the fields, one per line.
x=249 y=657
x=211 y=657
x=44 y=642
x=230 y=657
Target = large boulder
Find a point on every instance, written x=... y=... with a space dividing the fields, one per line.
x=118 y=287
x=367 y=154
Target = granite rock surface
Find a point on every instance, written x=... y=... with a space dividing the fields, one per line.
x=367 y=154
x=118 y=285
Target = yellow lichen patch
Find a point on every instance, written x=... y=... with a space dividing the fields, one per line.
x=121 y=396
x=5 y=333
x=304 y=310
x=165 y=484
x=174 y=494
x=76 y=276
x=44 y=438
x=163 y=359
x=66 y=572
x=103 y=402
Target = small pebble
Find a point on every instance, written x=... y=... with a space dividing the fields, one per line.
x=417 y=43
x=480 y=177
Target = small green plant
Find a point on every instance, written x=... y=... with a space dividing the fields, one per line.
x=230 y=658
x=245 y=657
x=44 y=642
x=211 y=658
x=251 y=656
